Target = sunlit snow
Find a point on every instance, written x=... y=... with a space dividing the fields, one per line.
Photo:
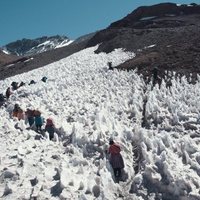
x=90 y=104
x=5 y=51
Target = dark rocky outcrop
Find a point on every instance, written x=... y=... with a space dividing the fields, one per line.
x=163 y=35
x=141 y=17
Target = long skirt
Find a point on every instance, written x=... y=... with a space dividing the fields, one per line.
x=117 y=161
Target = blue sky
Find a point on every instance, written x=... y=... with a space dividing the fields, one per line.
x=73 y=18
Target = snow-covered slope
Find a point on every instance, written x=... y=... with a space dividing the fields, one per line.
x=89 y=105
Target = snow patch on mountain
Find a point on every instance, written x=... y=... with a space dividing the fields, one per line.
x=4 y=51
x=48 y=45
x=27 y=47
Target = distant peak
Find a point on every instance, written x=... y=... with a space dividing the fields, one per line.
x=27 y=47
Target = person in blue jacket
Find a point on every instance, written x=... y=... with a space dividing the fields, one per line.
x=38 y=121
x=30 y=116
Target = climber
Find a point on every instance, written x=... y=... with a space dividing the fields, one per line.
x=116 y=159
x=8 y=93
x=44 y=79
x=38 y=121
x=14 y=85
x=30 y=116
x=32 y=82
x=2 y=99
x=110 y=67
x=50 y=128
x=18 y=112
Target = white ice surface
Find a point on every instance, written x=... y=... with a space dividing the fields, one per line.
x=90 y=104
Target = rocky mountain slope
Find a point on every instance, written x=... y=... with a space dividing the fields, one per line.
x=28 y=47
x=5 y=58
x=27 y=63
x=164 y=35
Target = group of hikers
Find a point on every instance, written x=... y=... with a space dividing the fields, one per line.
x=156 y=76
x=36 y=121
x=14 y=86
x=33 y=117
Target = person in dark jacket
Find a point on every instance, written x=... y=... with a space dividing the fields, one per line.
x=8 y=93
x=110 y=67
x=116 y=159
x=50 y=128
x=155 y=75
x=38 y=121
x=32 y=82
x=44 y=79
x=14 y=85
x=2 y=99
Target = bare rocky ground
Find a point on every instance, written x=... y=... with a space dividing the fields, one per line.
x=165 y=36
x=4 y=58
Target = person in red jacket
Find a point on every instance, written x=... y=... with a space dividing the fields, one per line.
x=116 y=159
x=50 y=128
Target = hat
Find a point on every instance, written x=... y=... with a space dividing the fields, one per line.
x=111 y=142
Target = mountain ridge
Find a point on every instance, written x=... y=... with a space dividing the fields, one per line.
x=174 y=39
x=28 y=47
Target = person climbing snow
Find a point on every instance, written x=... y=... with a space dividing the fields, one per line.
x=32 y=82
x=44 y=79
x=15 y=110
x=110 y=67
x=30 y=116
x=8 y=93
x=116 y=159
x=14 y=85
x=155 y=75
x=18 y=112
x=50 y=128
x=38 y=121
x=2 y=99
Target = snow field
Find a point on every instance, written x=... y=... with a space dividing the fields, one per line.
x=171 y=147
x=89 y=105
